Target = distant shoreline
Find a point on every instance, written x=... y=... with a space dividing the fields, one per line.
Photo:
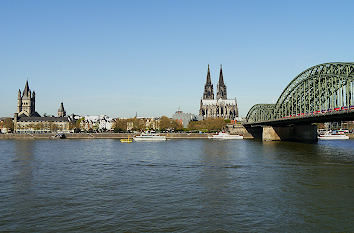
x=109 y=136
x=101 y=136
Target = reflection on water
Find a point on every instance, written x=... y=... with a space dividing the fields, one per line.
x=214 y=181
x=23 y=164
x=178 y=185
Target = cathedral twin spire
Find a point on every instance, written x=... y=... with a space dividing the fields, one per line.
x=208 y=88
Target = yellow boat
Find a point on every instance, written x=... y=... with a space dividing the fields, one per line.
x=126 y=140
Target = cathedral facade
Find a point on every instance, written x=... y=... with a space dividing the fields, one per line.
x=221 y=106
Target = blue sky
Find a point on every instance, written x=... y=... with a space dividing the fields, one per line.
x=151 y=57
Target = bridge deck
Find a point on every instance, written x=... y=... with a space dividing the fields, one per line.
x=347 y=115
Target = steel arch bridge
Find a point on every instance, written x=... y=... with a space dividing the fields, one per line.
x=321 y=93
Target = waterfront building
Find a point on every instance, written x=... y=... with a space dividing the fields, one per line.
x=185 y=118
x=221 y=106
x=96 y=122
x=27 y=120
x=137 y=123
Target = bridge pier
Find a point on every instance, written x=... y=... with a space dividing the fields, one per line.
x=300 y=133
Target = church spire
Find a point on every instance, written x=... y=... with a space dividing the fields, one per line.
x=61 y=110
x=221 y=94
x=26 y=90
x=221 y=77
x=208 y=88
x=208 y=80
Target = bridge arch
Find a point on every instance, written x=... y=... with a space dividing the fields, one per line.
x=260 y=112
x=319 y=89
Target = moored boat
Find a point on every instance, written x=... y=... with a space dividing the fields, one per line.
x=332 y=136
x=223 y=135
x=126 y=140
x=149 y=137
x=58 y=136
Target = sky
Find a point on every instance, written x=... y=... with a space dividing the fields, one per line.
x=120 y=58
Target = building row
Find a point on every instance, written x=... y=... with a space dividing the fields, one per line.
x=27 y=119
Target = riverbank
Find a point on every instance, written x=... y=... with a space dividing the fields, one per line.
x=114 y=136
x=100 y=136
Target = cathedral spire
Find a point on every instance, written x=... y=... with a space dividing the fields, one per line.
x=208 y=80
x=221 y=77
x=208 y=87
x=221 y=94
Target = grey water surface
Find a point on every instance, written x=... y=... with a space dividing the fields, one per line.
x=178 y=185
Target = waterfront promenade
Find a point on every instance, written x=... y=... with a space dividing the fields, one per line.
x=114 y=136
x=100 y=136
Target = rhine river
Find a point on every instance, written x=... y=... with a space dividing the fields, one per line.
x=193 y=185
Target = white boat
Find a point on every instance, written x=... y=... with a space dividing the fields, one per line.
x=222 y=135
x=149 y=137
x=333 y=136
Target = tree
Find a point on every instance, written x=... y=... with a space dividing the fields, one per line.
x=176 y=125
x=165 y=123
x=77 y=124
x=9 y=124
x=138 y=124
x=209 y=124
x=120 y=125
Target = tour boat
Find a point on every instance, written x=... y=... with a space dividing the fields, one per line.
x=223 y=135
x=58 y=136
x=149 y=137
x=126 y=140
x=332 y=136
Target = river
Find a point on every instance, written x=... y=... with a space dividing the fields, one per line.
x=183 y=185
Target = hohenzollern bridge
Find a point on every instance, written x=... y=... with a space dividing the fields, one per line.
x=322 y=93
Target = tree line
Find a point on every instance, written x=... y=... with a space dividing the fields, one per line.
x=168 y=124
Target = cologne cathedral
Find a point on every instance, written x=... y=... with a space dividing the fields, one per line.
x=221 y=106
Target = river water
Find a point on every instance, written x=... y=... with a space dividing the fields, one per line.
x=179 y=185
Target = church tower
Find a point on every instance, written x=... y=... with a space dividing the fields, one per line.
x=221 y=94
x=61 y=111
x=26 y=102
x=208 y=88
